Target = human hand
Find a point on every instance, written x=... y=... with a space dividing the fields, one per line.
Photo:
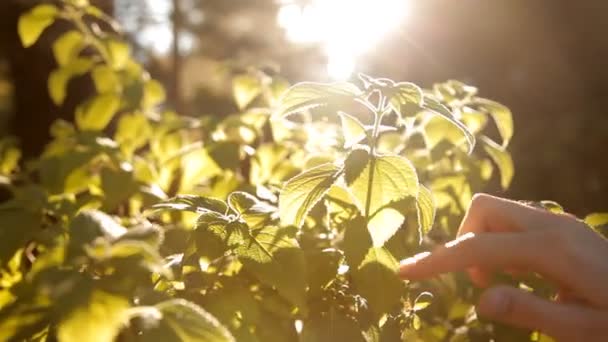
x=501 y=235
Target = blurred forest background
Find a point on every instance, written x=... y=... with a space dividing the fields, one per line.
x=544 y=59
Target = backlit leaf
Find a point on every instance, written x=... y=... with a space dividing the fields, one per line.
x=379 y=268
x=34 y=22
x=597 y=219
x=154 y=94
x=96 y=114
x=106 y=80
x=357 y=241
x=403 y=93
x=307 y=95
x=331 y=326
x=197 y=204
x=425 y=207
x=376 y=181
x=435 y=106
x=59 y=78
x=68 y=46
x=352 y=129
x=191 y=323
x=502 y=117
x=301 y=193
x=99 y=321
x=245 y=88
x=503 y=160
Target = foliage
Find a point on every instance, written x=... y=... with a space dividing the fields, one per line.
x=285 y=221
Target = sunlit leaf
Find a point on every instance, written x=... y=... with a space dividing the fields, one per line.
x=272 y=256
x=435 y=106
x=59 y=78
x=357 y=241
x=502 y=117
x=193 y=203
x=353 y=130
x=425 y=207
x=322 y=268
x=245 y=88
x=503 y=160
x=404 y=93
x=118 y=52
x=96 y=114
x=191 y=323
x=34 y=22
x=307 y=95
x=68 y=46
x=376 y=181
x=106 y=80
x=154 y=94
x=331 y=327
x=379 y=268
x=133 y=131
x=596 y=219
x=99 y=321
x=253 y=211
x=301 y=193
x=384 y=223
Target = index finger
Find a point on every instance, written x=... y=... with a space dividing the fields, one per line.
x=485 y=251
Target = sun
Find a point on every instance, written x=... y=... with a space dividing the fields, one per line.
x=346 y=29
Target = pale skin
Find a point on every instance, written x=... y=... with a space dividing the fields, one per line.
x=501 y=235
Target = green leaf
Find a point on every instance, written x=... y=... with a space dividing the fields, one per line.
x=308 y=95
x=18 y=227
x=357 y=242
x=154 y=94
x=379 y=268
x=437 y=107
x=253 y=211
x=503 y=160
x=597 y=219
x=133 y=132
x=147 y=257
x=67 y=47
x=245 y=89
x=261 y=245
x=118 y=186
x=376 y=181
x=99 y=321
x=331 y=326
x=215 y=234
x=191 y=323
x=422 y=301
x=502 y=117
x=272 y=256
x=425 y=208
x=196 y=204
x=302 y=192
x=322 y=268
x=403 y=93
x=59 y=78
x=34 y=22
x=88 y=225
x=106 y=80
x=118 y=52
x=97 y=113
x=385 y=222
x=353 y=130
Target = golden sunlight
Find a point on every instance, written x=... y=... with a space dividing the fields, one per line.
x=346 y=29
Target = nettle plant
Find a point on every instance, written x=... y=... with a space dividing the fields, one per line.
x=282 y=222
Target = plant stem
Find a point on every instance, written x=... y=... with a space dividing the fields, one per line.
x=378 y=115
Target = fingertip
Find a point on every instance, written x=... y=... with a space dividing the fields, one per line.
x=494 y=303
x=408 y=267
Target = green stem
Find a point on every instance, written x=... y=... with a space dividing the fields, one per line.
x=379 y=113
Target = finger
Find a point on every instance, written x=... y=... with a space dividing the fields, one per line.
x=487 y=251
x=493 y=214
x=523 y=309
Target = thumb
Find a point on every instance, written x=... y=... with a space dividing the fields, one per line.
x=522 y=309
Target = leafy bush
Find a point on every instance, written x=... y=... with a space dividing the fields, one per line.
x=283 y=222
